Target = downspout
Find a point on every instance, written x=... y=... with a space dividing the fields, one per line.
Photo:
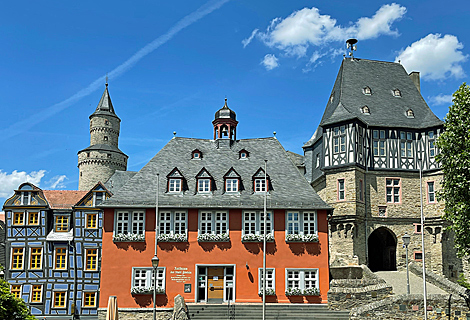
x=365 y=199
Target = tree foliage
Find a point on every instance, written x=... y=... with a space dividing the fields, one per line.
x=454 y=157
x=12 y=308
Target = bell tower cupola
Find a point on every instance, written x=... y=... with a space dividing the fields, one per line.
x=225 y=123
x=102 y=158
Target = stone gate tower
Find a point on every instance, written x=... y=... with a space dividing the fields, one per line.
x=103 y=157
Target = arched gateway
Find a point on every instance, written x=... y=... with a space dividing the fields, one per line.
x=382 y=245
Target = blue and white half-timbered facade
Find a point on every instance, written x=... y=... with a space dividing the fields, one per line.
x=53 y=249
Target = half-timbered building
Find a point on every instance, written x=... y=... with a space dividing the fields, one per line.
x=53 y=245
x=376 y=134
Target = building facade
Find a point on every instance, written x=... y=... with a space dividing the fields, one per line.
x=99 y=161
x=199 y=206
x=53 y=245
x=376 y=137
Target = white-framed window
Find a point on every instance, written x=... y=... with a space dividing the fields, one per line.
x=260 y=185
x=60 y=258
x=302 y=279
x=431 y=142
x=270 y=279
x=301 y=222
x=17 y=258
x=16 y=290
x=431 y=192
x=231 y=185
x=339 y=139
x=35 y=258
x=130 y=222
x=175 y=185
x=393 y=189
x=173 y=222
x=253 y=222
x=203 y=185
x=98 y=197
x=36 y=293
x=142 y=277
x=89 y=299
x=213 y=222
x=340 y=189
x=406 y=144
x=25 y=198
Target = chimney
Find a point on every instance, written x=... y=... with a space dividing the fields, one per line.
x=415 y=78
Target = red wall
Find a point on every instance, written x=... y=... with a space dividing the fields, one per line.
x=119 y=258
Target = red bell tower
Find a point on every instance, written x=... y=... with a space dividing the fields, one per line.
x=225 y=123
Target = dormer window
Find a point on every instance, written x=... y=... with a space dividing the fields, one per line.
x=243 y=154
x=105 y=138
x=204 y=181
x=365 y=110
x=396 y=93
x=25 y=198
x=410 y=113
x=99 y=197
x=260 y=179
x=232 y=181
x=106 y=122
x=367 y=91
x=196 y=154
x=175 y=181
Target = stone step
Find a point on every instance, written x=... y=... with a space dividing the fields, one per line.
x=273 y=311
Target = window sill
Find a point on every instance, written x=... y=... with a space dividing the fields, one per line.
x=146 y=291
x=257 y=238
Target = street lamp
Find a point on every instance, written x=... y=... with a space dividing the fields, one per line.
x=406 y=241
x=155 y=262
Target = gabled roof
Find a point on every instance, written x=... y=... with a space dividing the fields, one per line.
x=289 y=187
x=63 y=199
x=87 y=199
x=105 y=106
x=386 y=110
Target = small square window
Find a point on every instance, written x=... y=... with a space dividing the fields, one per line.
x=89 y=299
x=231 y=185
x=260 y=185
x=417 y=228
x=242 y=155
x=62 y=224
x=60 y=298
x=203 y=185
x=33 y=218
x=174 y=185
x=418 y=256
x=196 y=155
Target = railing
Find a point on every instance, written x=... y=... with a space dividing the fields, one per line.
x=230 y=308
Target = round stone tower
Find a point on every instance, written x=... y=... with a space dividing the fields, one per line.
x=102 y=158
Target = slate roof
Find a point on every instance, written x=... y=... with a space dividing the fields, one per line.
x=118 y=179
x=105 y=106
x=63 y=199
x=103 y=148
x=386 y=110
x=290 y=188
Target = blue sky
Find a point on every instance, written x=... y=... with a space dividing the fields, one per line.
x=171 y=64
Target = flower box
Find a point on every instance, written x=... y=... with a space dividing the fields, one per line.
x=300 y=292
x=147 y=290
x=269 y=292
x=176 y=237
x=209 y=237
x=257 y=237
x=128 y=237
x=301 y=238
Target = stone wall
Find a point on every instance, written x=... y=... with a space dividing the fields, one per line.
x=410 y=307
x=346 y=293
x=137 y=314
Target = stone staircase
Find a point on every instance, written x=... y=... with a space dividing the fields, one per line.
x=277 y=311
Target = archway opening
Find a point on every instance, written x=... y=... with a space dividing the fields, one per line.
x=382 y=250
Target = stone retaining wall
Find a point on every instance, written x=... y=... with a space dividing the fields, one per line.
x=137 y=314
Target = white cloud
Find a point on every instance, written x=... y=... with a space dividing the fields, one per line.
x=380 y=23
x=435 y=57
x=307 y=27
x=57 y=182
x=270 y=62
x=247 y=41
x=441 y=99
x=10 y=182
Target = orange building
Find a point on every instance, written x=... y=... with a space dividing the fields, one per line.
x=210 y=208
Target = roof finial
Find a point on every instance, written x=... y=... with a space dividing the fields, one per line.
x=174 y=134
x=274 y=134
x=106 y=79
x=350 y=43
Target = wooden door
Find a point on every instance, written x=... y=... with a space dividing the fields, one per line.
x=215 y=282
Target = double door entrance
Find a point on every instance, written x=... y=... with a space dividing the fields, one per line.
x=215 y=284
